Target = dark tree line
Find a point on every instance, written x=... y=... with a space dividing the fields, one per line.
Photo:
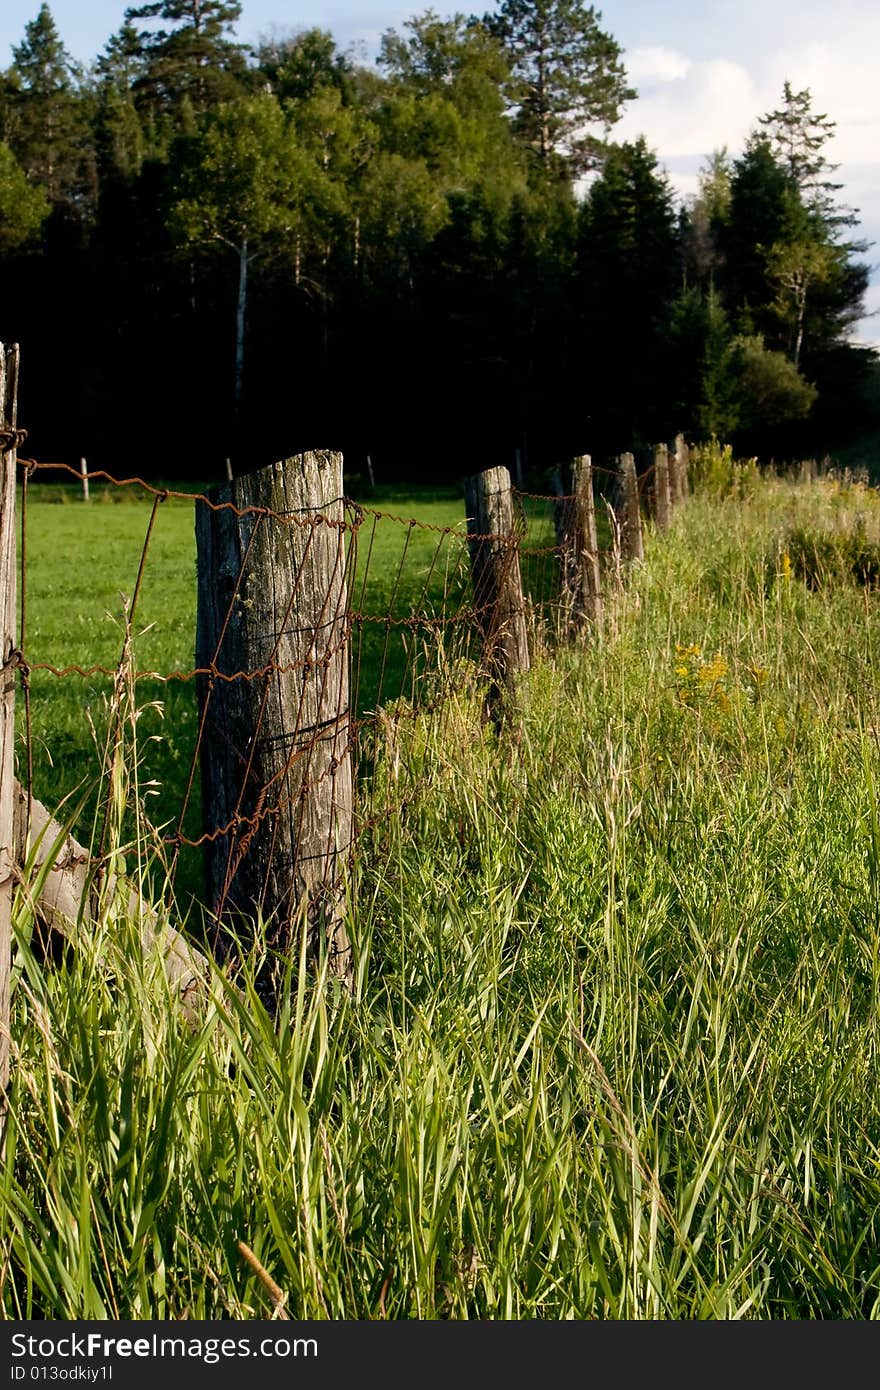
x=212 y=250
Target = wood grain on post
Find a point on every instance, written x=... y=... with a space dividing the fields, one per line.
x=662 y=498
x=9 y=358
x=498 y=597
x=682 y=466
x=275 y=743
x=632 y=543
x=578 y=544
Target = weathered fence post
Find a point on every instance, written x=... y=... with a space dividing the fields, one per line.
x=84 y=474
x=576 y=538
x=632 y=543
x=682 y=466
x=9 y=358
x=272 y=642
x=662 y=498
x=498 y=596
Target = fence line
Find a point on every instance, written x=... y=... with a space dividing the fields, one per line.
x=309 y=670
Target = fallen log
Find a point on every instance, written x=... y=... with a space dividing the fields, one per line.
x=66 y=902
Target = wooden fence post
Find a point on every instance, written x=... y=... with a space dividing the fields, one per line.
x=662 y=498
x=498 y=596
x=682 y=466
x=632 y=543
x=576 y=538
x=9 y=359
x=84 y=473
x=275 y=734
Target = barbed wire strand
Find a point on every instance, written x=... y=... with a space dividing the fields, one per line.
x=421 y=670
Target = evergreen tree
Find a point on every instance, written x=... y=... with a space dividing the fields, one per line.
x=189 y=63
x=120 y=137
x=568 y=78
x=702 y=219
x=798 y=136
x=765 y=208
x=49 y=131
x=628 y=259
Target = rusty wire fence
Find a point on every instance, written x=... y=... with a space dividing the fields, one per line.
x=336 y=648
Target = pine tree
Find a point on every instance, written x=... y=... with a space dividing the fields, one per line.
x=798 y=137
x=189 y=63
x=568 y=77
x=50 y=135
x=628 y=260
x=120 y=137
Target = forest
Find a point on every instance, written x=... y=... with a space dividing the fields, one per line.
x=444 y=261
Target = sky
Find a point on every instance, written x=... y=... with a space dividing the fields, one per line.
x=705 y=70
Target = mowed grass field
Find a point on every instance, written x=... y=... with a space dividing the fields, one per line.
x=82 y=562
x=613 y=1047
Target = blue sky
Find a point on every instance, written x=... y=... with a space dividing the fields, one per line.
x=704 y=69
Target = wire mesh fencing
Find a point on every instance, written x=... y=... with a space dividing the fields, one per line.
x=274 y=703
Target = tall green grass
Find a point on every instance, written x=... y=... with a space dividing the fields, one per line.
x=613 y=1047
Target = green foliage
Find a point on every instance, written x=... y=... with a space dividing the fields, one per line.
x=295 y=67
x=716 y=474
x=241 y=178
x=771 y=389
x=23 y=208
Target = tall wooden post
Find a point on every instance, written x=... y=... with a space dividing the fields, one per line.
x=498 y=595
x=662 y=498
x=579 y=547
x=632 y=543
x=682 y=466
x=273 y=630
x=9 y=359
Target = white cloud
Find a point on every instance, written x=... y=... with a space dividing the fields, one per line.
x=645 y=66
x=715 y=106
